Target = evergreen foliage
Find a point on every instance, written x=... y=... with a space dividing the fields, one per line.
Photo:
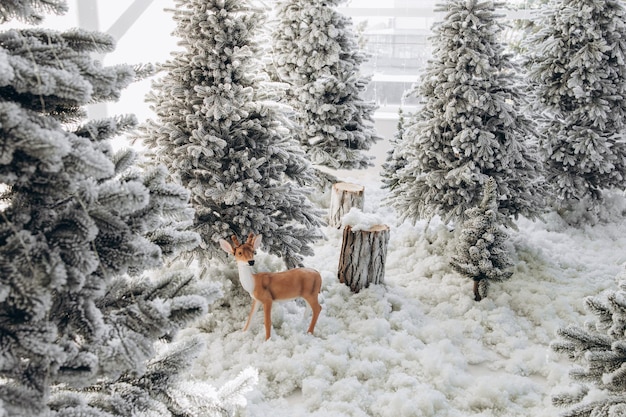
x=600 y=349
x=316 y=53
x=158 y=391
x=30 y=11
x=481 y=252
x=470 y=126
x=394 y=160
x=577 y=64
x=80 y=227
x=223 y=140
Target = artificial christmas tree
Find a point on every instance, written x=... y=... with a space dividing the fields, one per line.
x=481 y=252
x=469 y=127
x=222 y=139
x=315 y=52
x=600 y=348
x=80 y=227
x=394 y=160
x=577 y=64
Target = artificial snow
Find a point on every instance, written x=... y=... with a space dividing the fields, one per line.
x=357 y=220
x=419 y=345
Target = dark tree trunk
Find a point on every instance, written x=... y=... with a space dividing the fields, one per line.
x=477 y=296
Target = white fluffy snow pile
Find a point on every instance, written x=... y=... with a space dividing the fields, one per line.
x=418 y=345
x=358 y=220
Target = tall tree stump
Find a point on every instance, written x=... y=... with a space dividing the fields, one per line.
x=343 y=197
x=362 y=257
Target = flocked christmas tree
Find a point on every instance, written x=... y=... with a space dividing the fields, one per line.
x=600 y=350
x=577 y=63
x=315 y=52
x=394 y=162
x=223 y=140
x=482 y=253
x=470 y=126
x=83 y=230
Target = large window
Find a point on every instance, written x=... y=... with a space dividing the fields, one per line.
x=396 y=35
x=397 y=39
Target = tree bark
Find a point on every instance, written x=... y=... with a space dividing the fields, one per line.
x=343 y=197
x=362 y=257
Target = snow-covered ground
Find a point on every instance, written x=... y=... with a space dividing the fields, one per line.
x=418 y=345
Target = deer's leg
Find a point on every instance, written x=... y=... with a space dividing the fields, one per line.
x=267 y=311
x=316 y=308
x=313 y=301
x=255 y=307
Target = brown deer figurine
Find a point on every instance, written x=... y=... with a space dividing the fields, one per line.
x=267 y=287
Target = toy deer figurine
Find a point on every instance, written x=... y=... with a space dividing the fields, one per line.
x=267 y=287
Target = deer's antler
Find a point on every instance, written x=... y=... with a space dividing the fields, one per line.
x=235 y=240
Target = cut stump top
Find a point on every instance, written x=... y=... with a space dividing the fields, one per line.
x=374 y=228
x=349 y=187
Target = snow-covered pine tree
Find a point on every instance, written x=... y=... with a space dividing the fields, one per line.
x=470 y=126
x=316 y=53
x=222 y=139
x=481 y=251
x=394 y=161
x=162 y=389
x=600 y=349
x=79 y=225
x=577 y=65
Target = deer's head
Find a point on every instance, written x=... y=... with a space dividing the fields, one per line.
x=243 y=252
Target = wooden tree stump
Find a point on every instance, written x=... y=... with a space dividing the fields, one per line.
x=343 y=197
x=362 y=257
